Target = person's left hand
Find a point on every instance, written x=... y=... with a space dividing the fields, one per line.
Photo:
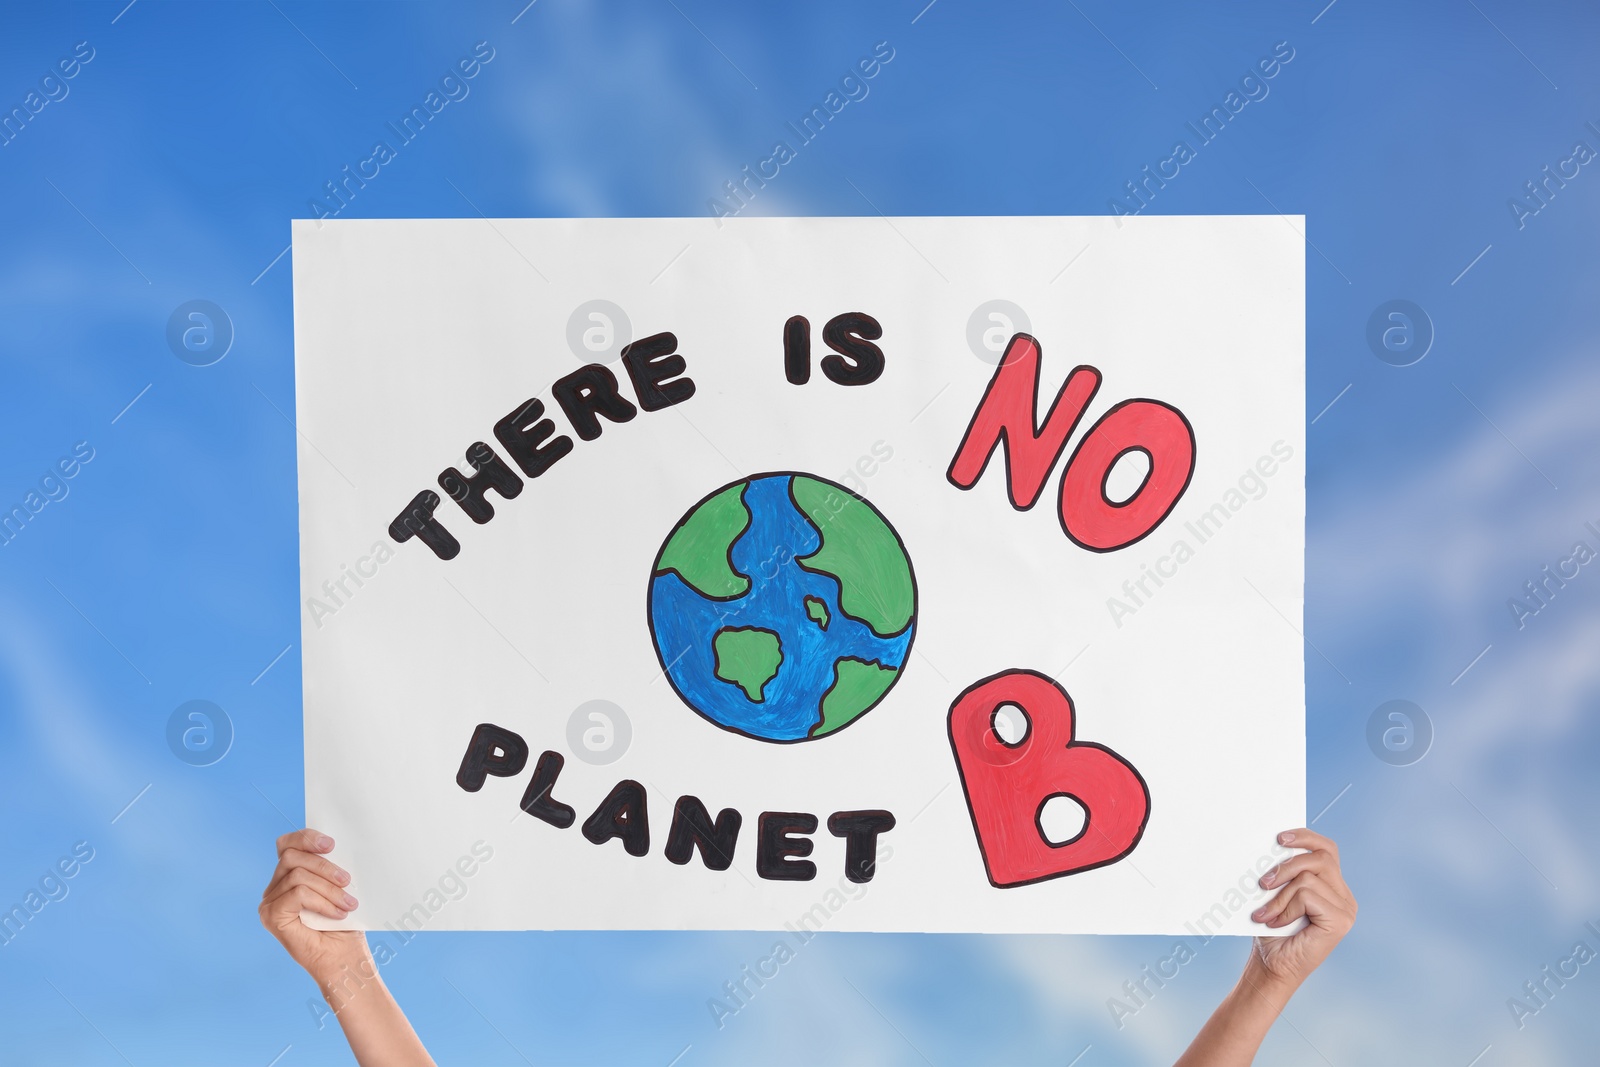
x=306 y=879
x=1310 y=886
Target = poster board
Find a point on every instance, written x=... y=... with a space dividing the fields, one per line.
x=690 y=573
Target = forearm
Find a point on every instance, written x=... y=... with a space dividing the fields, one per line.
x=1236 y=1029
x=377 y=1030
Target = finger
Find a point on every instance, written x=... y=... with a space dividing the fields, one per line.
x=1317 y=862
x=1290 y=904
x=1281 y=900
x=1309 y=839
x=334 y=895
x=294 y=859
x=1312 y=903
x=285 y=909
x=1323 y=858
x=307 y=840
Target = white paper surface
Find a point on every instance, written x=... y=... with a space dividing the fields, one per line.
x=414 y=337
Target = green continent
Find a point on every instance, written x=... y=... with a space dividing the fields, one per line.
x=698 y=549
x=818 y=611
x=860 y=550
x=857 y=685
x=748 y=656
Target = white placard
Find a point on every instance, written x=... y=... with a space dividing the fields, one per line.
x=743 y=563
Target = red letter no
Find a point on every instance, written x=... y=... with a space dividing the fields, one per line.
x=1008 y=416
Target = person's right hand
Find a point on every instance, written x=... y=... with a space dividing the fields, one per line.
x=306 y=879
x=1310 y=886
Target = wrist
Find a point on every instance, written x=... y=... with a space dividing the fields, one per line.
x=340 y=973
x=1261 y=980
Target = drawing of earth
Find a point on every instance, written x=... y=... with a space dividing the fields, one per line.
x=782 y=607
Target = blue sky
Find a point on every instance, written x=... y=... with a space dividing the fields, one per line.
x=167 y=170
